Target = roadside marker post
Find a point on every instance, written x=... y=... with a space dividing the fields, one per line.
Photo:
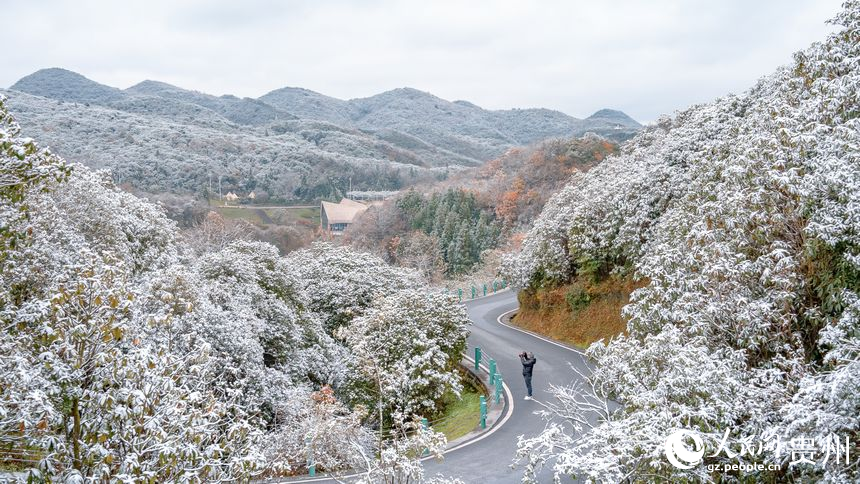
x=312 y=467
x=477 y=358
x=474 y=292
x=498 y=388
x=492 y=371
x=485 y=289
x=425 y=425
x=495 y=286
x=483 y=412
x=460 y=295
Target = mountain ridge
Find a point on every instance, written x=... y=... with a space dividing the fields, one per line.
x=48 y=83
x=317 y=143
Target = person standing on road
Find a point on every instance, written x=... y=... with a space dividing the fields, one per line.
x=528 y=360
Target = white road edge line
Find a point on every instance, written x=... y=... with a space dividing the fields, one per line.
x=497 y=425
x=499 y=320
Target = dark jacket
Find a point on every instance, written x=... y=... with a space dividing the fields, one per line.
x=528 y=365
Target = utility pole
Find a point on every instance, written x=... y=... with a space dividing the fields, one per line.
x=220 y=197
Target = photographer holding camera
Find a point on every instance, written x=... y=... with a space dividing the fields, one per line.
x=528 y=360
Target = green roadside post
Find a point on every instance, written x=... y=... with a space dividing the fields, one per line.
x=477 y=358
x=492 y=371
x=483 y=412
x=495 y=286
x=485 y=289
x=474 y=292
x=312 y=467
x=460 y=295
x=498 y=388
x=425 y=425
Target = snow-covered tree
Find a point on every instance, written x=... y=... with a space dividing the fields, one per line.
x=130 y=354
x=86 y=394
x=341 y=282
x=407 y=347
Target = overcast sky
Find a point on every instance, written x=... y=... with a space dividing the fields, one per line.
x=645 y=58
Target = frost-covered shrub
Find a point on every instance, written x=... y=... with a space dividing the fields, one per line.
x=318 y=425
x=407 y=347
x=340 y=282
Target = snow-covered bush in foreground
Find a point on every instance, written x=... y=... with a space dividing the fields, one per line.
x=400 y=460
x=129 y=355
x=319 y=427
x=744 y=218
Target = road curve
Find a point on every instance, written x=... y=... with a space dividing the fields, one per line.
x=489 y=460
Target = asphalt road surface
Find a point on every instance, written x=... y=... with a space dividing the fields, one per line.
x=489 y=460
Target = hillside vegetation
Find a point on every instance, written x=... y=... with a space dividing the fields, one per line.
x=447 y=229
x=580 y=313
x=741 y=217
x=130 y=353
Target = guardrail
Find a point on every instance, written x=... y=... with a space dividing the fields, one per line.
x=487 y=376
x=479 y=290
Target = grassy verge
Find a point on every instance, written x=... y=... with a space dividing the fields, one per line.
x=301 y=217
x=461 y=415
x=579 y=313
x=239 y=214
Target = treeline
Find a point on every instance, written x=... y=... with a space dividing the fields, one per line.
x=447 y=229
x=440 y=234
x=296 y=160
x=455 y=219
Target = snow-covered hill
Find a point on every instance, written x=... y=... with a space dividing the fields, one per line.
x=742 y=216
x=292 y=143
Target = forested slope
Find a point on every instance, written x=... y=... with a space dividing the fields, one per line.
x=741 y=217
x=445 y=229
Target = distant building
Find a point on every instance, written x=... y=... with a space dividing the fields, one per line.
x=231 y=197
x=336 y=217
x=252 y=196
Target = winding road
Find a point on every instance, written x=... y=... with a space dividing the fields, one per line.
x=489 y=460
x=488 y=457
